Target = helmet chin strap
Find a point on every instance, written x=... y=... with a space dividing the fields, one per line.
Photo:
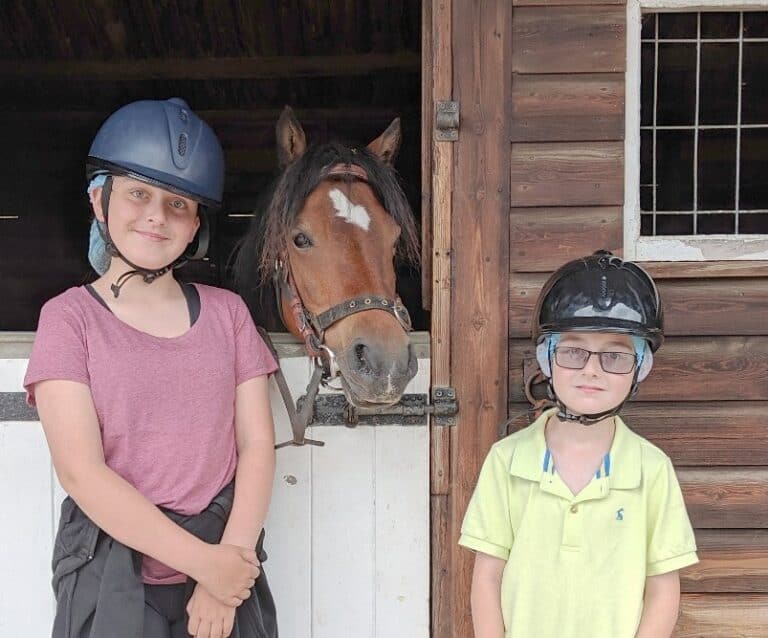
x=565 y=414
x=148 y=275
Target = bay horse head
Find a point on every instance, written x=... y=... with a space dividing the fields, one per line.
x=336 y=221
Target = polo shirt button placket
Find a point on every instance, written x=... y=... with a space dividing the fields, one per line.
x=573 y=534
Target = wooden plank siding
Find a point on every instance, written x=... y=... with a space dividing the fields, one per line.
x=482 y=44
x=706 y=402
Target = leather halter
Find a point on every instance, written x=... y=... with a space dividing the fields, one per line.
x=312 y=327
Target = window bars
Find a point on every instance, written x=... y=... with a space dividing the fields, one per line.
x=704 y=123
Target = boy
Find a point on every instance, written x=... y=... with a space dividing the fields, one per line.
x=578 y=523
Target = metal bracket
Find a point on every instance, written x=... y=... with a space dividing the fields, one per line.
x=413 y=409
x=445 y=405
x=446 y=121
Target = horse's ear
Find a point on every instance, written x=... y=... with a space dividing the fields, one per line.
x=291 y=141
x=386 y=145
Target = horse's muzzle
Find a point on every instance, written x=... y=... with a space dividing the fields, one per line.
x=373 y=374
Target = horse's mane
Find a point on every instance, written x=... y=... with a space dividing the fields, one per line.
x=270 y=227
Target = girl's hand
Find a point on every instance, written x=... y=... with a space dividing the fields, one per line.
x=208 y=618
x=228 y=573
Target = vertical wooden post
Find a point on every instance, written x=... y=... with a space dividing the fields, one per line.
x=482 y=39
x=437 y=43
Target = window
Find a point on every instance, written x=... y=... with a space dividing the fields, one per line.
x=700 y=155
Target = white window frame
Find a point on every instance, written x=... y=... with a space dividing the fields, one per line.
x=671 y=247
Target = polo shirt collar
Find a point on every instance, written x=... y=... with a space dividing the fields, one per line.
x=624 y=458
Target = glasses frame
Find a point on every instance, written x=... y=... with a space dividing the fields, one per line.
x=599 y=357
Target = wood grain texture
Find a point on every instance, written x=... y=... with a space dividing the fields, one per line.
x=707 y=433
x=440 y=217
x=569 y=39
x=705 y=269
x=722 y=616
x=734 y=498
x=212 y=68
x=440 y=35
x=685 y=369
x=732 y=560
x=480 y=259
x=567 y=174
x=543 y=239
x=567 y=107
x=545 y=3
x=427 y=101
x=692 y=307
x=441 y=576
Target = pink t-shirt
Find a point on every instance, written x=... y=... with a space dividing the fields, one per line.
x=165 y=405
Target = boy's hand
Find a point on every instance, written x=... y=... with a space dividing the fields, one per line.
x=228 y=573
x=208 y=618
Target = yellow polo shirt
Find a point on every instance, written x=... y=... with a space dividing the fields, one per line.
x=576 y=565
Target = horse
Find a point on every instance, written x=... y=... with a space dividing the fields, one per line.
x=328 y=235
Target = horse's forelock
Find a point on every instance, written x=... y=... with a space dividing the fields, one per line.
x=270 y=229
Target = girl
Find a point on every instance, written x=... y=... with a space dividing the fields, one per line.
x=153 y=397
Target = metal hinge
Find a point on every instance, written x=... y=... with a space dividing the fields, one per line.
x=412 y=409
x=446 y=121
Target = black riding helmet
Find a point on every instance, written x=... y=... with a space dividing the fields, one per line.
x=162 y=143
x=599 y=293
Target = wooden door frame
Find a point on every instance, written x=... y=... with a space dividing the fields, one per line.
x=466 y=204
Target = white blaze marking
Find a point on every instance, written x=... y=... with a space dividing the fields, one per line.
x=349 y=212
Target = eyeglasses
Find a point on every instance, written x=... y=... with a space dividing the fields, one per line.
x=576 y=358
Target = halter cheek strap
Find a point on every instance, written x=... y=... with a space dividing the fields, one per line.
x=312 y=327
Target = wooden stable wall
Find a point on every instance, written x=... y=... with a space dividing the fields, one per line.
x=706 y=401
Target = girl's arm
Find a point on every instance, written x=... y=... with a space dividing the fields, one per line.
x=486 y=596
x=661 y=606
x=255 y=434
x=71 y=427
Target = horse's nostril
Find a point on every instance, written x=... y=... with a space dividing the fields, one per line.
x=361 y=358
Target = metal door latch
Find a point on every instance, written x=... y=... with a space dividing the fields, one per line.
x=412 y=409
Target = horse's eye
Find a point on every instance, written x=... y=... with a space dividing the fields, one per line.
x=300 y=240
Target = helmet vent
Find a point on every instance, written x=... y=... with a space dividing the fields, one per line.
x=182 y=144
x=605 y=294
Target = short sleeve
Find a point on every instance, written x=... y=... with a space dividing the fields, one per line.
x=486 y=527
x=252 y=356
x=671 y=543
x=59 y=350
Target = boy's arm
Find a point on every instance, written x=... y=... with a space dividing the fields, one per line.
x=661 y=606
x=486 y=596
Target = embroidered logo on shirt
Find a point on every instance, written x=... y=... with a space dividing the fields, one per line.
x=620 y=514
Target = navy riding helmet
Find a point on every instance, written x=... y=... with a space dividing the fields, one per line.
x=162 y=143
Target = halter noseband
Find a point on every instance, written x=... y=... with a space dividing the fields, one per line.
x=312 y=327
